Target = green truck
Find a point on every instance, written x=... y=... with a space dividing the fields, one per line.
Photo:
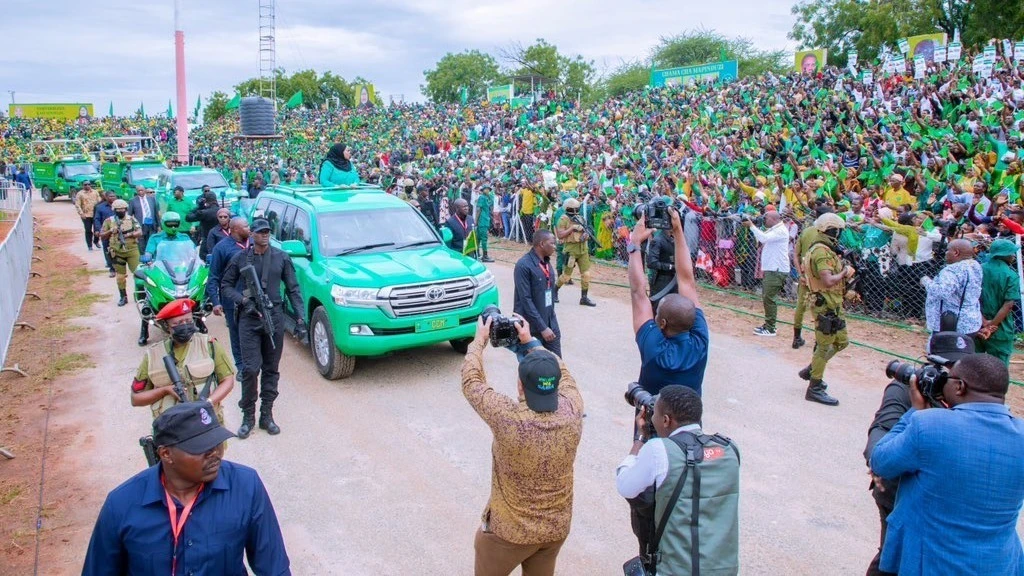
x=61 y=167
x=375 y=275
x=127 y=162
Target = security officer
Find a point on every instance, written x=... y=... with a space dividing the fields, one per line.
x=807 y=238
x=261 y=352
x=171 y=225
x=202 y=362
x=661 y=266
x=826 y=283
x=484 y=208
x=574 y=237
x=124 y=247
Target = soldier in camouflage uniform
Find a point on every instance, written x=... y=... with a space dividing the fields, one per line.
x=124 y=246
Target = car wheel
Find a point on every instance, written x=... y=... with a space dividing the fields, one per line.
x=332 y=363
x=47 y=194
x=461 y=346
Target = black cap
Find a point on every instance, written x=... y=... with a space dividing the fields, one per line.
x=260 y=225
x=540 y=374
x=176 y=188
x=950 y=345
x=191 y=427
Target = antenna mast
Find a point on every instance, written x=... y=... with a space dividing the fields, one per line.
x=268 y=52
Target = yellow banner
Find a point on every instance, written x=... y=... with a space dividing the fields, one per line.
x=58 y=111
x=925 y=45
x=363 y=95
x=810 y=61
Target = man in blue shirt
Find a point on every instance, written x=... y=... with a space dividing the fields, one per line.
x=674 y=344
x=190 y=514
x=961 y=477
x=223 y=252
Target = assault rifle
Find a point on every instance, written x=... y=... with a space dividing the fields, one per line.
x=120 y=233
x=577 y=219
x=254 y=291
x=147 y=443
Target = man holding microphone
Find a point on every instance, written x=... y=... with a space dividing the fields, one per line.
x=774 y=264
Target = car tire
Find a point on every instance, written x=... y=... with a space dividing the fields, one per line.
x=46 y=193
x=461 y=346
x=332 y=363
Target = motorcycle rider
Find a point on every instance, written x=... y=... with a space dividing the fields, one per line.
x=124 y=247
x=170 y=228
x=199 y=358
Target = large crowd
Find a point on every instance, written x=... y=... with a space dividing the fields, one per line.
x=909 y=162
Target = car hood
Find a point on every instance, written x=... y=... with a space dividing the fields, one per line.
x=376 y=270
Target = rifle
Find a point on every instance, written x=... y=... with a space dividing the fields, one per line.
x=120 y=233
x=577 y=219
x=147 y=443
x=254 y=291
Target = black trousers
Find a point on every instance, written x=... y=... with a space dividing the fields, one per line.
x=555 y=346
x=259 y=358
x=87 y=223
x=885 y=502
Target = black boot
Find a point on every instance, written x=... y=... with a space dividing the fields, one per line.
x=248 y=422
x=816 y=393
x=805 y=374
x=486 y=258
x=124 y=298
x=267 y=420
x=144 y=333
x=554 y=296
x=797 y=340
x=584 y=301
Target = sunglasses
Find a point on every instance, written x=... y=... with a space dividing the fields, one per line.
x=172 y=224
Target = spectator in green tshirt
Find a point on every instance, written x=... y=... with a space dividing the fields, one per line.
x=180 y=205
x=1000 y=290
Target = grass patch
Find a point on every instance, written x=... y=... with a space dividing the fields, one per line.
x=78 y=304
x=7 y=495
x=66 y=363
x=60 y=329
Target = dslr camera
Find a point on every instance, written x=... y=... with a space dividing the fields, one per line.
x=639 y=398
x=929 y=377
x=656 y=211
x=504 y=331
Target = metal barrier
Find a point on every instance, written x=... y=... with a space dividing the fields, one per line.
x=16 y=235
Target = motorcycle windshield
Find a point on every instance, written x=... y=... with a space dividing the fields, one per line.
x=178 y=259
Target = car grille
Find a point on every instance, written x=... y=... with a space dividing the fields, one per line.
x=430 y=298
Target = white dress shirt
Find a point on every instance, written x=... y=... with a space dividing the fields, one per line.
x=775 y=254
x=647 y=467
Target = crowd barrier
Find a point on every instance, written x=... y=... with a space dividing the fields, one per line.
x=16 y=235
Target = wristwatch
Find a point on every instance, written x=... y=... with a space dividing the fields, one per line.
x=630 y=248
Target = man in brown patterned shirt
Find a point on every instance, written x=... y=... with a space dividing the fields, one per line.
x=535 y=439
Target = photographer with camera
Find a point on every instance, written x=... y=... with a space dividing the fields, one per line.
x=683 y=489
x=529 y=512
x=674 y=344
x=774 y=264
x=961 y=475
x=205 y=213
x=944 y=348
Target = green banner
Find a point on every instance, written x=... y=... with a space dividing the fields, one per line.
x=499 y=94
x=727 y=70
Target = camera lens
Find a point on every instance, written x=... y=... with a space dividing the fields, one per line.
x=901 y=371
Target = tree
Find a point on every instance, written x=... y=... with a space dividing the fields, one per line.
x=470 y=69
x=628 y=77
x=701 y=46
x=215 y=107
x=316 y=88
x=571 y=75
x=989 y=19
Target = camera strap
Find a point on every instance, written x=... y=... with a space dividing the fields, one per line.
x=691 y=462
x=666 y=290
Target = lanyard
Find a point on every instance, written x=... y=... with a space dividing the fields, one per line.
x=547 y=273
x=176 y=526
x=242 y=246
x=464 y=224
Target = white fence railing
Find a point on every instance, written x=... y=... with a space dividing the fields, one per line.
x=16 y=235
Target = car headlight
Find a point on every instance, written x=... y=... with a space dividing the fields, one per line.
x=344 y=296
x=180 y=291
x=484 y=281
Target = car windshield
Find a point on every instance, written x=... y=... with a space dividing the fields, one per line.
x=178 y=259
x=392 y=228
x=146 y=172
x=79 y=170
x=198 y=180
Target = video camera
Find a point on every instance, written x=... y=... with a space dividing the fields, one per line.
x=504 y=331
x=930 y=377
x=639 y=398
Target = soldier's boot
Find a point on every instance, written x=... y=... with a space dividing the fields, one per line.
x=248 y=423
x=486 y=258
x=797 y=341
x=805 y=374
x=144 y=333
x=816 y=393
x=124 y=298
x=267 y=419
x=584 y=301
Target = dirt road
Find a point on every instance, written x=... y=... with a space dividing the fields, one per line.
x=387 y=472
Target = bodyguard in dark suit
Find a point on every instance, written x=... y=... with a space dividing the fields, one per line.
x=535 y=291
x=143 y=207
x=661 y=263
x=460 y=223
x=205 y=213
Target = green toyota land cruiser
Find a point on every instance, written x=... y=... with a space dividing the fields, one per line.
x=375 y=275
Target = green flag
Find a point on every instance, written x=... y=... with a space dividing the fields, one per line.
x=170 y=113
x=469 y=247
x=233 y=103
x=295 y=101
x=111 y=112
x=463 y=95
x=142 y=110
x=199 y=104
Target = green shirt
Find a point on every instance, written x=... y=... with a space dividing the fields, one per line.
x=485 y=204
x=999 y=284
x=182 y=207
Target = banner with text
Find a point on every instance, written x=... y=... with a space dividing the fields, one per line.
x=56 y=111
x=685 y=75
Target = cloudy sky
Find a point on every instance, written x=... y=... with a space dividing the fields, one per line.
x=122 y=51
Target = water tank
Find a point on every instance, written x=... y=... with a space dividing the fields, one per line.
x=257 y=116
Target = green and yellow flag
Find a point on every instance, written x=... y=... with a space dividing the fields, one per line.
x=469 y=247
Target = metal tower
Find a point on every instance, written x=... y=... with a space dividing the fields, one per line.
x=268 y=51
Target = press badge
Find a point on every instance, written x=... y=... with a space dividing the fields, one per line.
x=547 y=299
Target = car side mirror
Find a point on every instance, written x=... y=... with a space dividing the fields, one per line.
x=294 y=248
x=446 y=236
